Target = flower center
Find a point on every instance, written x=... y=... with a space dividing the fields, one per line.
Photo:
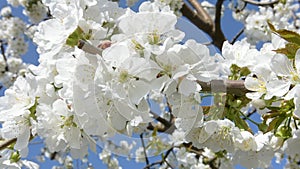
x=124 y=76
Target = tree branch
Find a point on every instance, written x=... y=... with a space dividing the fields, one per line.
x=195 y=18
x=153 y=164
x=217 y=28
x=160 y=119
x=87 y=47
x=164 y=125
x=201 y=12
x=258 y=3
x=161 y=161
x=3 y=55
x=237 y=35
x=199 y=19
x=161 y=128
x=7 y=143
x=145 y=153
x=236 y=87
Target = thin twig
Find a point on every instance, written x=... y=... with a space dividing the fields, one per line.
x=201 y=11
x=258 y=3
x=153 y=164
x=145 y=153
x=170 y=110
x=3 y=55
x=235 y=87
x=295 y=124
x=165 y=126
x=161 y=161
x=189 y=147
x=160 y=119
x=5 y=143
x=248 y=115
x=159 y=127
x=166 y=156
x=237 y=35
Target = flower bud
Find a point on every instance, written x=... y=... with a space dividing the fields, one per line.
x=258 y=103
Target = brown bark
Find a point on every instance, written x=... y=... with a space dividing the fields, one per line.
x=236 y=87
x=203 y=21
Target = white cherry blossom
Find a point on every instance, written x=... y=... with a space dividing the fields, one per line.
x=77 y=98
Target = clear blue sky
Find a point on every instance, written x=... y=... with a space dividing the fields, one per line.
x=191 y=31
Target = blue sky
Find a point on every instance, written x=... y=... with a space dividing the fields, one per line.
x=192 y=32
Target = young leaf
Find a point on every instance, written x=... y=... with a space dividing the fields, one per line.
x=289 y=50
x=73 y=39
x=288 y=35
x=275 y=123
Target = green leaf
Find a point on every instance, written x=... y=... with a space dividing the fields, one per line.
x=284 y=132
x=15 y=157
x=32 y=109
x=289 y=50
x=275 y=123
x=154 y=133
x=288 y=35
x=242 y=124
x=263 y=127
x=282 y=1
x=73 y=39
x=271 y=26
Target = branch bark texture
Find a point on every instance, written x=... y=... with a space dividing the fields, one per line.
x=200 y=18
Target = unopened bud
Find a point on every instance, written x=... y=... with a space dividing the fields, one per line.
x=259 y=103
x=105 y=44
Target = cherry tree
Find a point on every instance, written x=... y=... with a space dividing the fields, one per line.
x=124 y=83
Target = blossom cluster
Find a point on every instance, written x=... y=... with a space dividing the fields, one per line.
x=14 y=34
x=13 y=41
x=283 y=14
x=102 y=68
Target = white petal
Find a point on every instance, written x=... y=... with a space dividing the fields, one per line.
x=211 y=127
x=277 y=88
x=297 y=60
x=116 y=54
x=294 y=92
x=187 y=87
x=30 y=164
x=137 y=91
x=22 y=139
x=118 y=121
x=148 y=22
x=73 y=136
x=60 y=107
x=254 y=95
x=252 y=84
x=85 y=75
x=281 y=65
x=297 y=106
